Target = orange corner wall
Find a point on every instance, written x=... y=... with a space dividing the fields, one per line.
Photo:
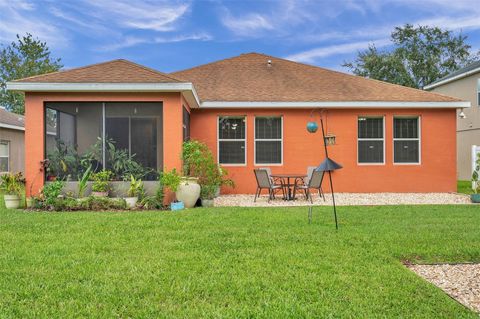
x=435 y=173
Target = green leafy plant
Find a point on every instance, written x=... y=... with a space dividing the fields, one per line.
x=136 y=188
x=83 y=182
x=12 y=184
x=199 y=161
x=155 y=201
x=101 y=181
x=475 y=176
x=64 y=162
x=51 y=191
x=171 y=180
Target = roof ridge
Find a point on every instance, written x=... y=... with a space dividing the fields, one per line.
x=216 y=61
x=146 y=68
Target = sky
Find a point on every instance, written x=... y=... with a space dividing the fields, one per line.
x=172 y=35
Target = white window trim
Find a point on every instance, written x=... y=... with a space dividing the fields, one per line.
x=8 y=155
x=478 y=92
x=371 y=139
x=232 y=140
x=419 y=139
x=267 y=140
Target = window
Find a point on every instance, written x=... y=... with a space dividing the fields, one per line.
x=4 y=156
x=406 y=140
x=370 y=140
x=186 y=125
x=231 y=140
x=268 y=140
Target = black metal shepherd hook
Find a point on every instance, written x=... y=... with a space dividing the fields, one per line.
x=328 y=165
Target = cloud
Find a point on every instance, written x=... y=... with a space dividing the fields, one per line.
x=18 y=18
x=145 y=15
x=131 y=41
x=309 y=56
x=249 y=24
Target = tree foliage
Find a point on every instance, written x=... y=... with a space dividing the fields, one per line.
x=27 y=56
x=420 y=55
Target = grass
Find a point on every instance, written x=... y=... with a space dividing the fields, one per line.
x=464 y=187
x=232 y=262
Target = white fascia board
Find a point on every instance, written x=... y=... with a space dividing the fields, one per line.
x=346 y=104
x=454 y=78
x=13 y=127
x=102 y=87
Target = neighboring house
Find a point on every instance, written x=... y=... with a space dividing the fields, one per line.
x=464 y=84
x=12 y=146
x=252 y=111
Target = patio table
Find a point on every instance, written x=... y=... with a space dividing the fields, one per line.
x=286 y=182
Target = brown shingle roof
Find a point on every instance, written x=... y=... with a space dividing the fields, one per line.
x=248 y=78
x=116 y=71
x=10 y=118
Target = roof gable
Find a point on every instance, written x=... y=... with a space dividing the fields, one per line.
x=11 y=120
x=470 y=69
x=249 y=77
x=116 y=71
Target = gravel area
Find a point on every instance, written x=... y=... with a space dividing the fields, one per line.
x=461 y=281
x=348 y=199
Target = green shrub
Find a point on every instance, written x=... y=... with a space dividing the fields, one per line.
x=101 y=181
x=51 y=191
x=136 y=188
x=170 y=180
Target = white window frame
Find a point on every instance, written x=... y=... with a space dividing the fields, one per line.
x=267 y=140
x=244 y=117
x=419 y=138
x=8 y=155
x=371 y=139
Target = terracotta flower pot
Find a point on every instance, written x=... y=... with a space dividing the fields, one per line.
x=188 y=191
x=11 y=201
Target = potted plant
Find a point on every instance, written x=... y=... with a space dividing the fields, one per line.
x=134 y=192
x=475 y=197
x=101 y=185
x=11 y=185
x=207 y=194
x=171 y=180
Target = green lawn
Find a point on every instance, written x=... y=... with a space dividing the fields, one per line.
x=232 y=262
x=464 y=187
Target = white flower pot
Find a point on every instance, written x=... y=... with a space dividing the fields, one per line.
x=131 y=201
x=100 y=194
x=11 y=201
x=188 y=191
x=208 y=203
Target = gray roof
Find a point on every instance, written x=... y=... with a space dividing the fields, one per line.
x=12 y=120
x=471 y=67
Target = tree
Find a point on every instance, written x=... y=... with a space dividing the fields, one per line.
x=420 y=55
x=25 y=57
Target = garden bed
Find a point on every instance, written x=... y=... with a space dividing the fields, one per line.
x=459 y=281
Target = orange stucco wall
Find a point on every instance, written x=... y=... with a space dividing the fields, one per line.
x=435 y=173
x=34 y=126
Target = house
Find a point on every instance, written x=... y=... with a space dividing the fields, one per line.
x=463 y=84
x=252 y=111
x=12 y=147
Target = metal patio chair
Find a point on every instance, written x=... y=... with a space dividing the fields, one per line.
x=313 y=181
x=264 y=182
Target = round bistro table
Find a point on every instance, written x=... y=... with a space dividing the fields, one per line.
x=286 y=182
